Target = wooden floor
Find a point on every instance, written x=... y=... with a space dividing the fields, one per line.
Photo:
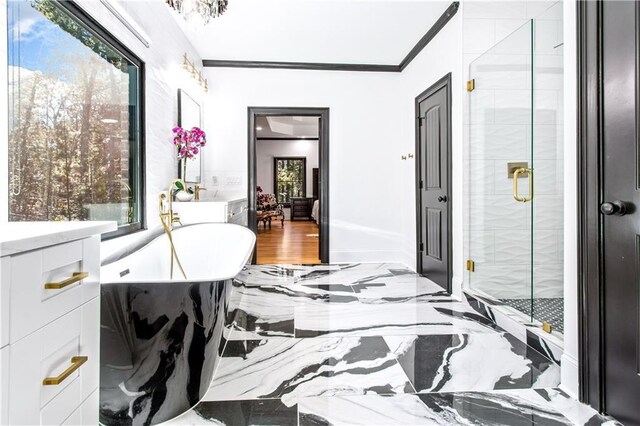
x=297 y=242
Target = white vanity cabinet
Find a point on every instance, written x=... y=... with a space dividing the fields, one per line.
x=232 y=210
x=50 y=310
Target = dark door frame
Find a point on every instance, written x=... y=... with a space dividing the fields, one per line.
x=590 y=138
x=444 y=82
x=323 y=154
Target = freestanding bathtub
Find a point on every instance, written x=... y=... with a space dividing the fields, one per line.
x=160 y=337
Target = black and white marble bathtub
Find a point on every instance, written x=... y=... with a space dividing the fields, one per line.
x=161 y=338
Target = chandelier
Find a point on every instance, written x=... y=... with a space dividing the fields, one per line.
x=204 y=9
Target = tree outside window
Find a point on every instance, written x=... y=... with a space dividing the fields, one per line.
x=290 y=178
x=75 y=113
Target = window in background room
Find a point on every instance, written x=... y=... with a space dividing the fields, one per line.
x=75 y=112
x=290 y=178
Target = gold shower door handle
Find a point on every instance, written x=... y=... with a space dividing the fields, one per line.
x=76 y=362
x=516 y=195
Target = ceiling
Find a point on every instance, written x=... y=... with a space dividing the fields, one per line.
x=287 y=127
x=319 y=31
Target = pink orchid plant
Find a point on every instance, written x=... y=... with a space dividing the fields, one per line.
x=189 y=142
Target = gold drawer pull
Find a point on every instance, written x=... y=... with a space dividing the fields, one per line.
x=77 y=276
x=76 y=362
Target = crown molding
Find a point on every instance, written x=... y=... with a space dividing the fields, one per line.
x=318 y=66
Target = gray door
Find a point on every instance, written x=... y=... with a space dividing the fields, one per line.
x=619 y=211
x=434 y=198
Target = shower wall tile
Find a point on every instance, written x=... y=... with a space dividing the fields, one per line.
x=548 y=144
x=481 y=244
x=549 y=72
x=512 y=106
x=506 y=283
x=549 y=177
x=547 y=37
x=485 y=30
x=498 y=142
x=483 y=102
x=545 y=247
x=481 y=179
x=495 y=10
x=503 y=71
x=513 y=248
x=496 y=212
x=548 y=280
x=505 y=27
x=548 y=212
x=546 y=106
x=517 y=43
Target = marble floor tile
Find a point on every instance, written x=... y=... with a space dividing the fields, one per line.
x=389 y=319
x=373 y=344
x=463 y=408
x=293 y=368
x=414 y=289
x=321 y=274
x=255 y=412
x=478 y=361
x=254 y=312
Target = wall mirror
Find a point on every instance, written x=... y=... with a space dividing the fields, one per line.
x=189 y=116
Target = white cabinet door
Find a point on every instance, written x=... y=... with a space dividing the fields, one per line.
x=32 y=305
x=48 y=352
x=86 y=414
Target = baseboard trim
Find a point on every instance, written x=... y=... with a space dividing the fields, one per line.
x=569 y=375
x=367 y=257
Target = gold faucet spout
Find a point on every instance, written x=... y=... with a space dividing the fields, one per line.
x=168 y=218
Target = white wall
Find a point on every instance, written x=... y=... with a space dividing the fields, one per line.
x=268 y=149
x=570 y=357
x=164 y=76
x=366 y=142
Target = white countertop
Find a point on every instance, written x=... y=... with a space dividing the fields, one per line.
x=18 y=237
x=224 y=196
x=218 y=199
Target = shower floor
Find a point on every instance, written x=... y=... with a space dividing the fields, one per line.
x=546 y=309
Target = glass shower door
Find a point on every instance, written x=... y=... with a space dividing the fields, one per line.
x=500 y=179
x=548 y=137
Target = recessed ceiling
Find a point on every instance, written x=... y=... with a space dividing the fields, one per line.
x=287 y=127
x=318 y=31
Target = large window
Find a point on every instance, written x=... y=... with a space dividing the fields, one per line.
x=290 y=178
x=75 y=119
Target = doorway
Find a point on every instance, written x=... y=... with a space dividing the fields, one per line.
x=609 y=219
x=433 y=186
x=288 y=190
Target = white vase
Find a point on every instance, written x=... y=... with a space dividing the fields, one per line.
x=184 y=196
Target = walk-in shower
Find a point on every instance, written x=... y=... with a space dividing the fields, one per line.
x=514 y=164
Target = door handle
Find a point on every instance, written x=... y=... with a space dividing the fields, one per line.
x=516 y=195
x=443 y=198
x=618 y=208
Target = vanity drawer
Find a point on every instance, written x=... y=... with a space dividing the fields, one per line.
x=33 y=305
x=47 y=353
x=87 y=413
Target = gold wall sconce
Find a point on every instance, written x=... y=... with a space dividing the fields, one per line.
x=195 y=72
